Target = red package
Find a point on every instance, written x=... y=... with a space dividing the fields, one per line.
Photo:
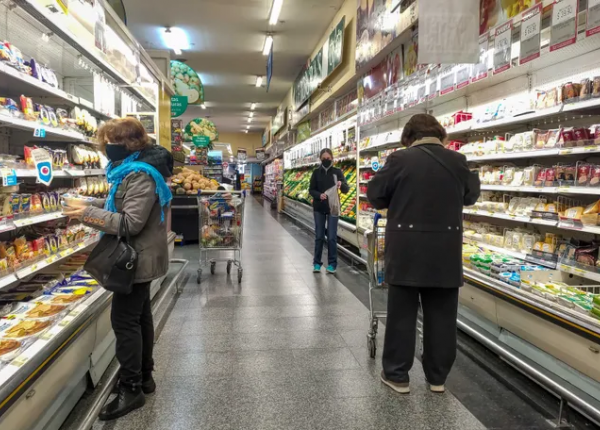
x=595 y=176
x=27 y=108
x=567 y=138
x=581 y=136
x=37 y=245
x=595 y=134
x=541 y=178
x=583 y=174
x=550 y=177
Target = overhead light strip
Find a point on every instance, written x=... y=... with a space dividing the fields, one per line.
x=268 y=45
x=259 y=80
x=275 y=11
x=253 y=106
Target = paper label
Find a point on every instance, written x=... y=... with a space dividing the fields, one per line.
x=39 y=132
x=564 y=24
x=530 y=34
x=463 y=76
x=9 y=177
x=43 y=165
x=592 y=25
x=480 y=71
x=447 y=80
x=503 y=47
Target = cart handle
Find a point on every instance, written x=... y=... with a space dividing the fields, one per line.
x=376 y=219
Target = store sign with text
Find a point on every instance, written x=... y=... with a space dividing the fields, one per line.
x=503 y=47
x=563 y=31
x=480 y=70
x=463 y=75
x=530 y=39
x=260 y=153
x=242 y=155
x=179 y=105
x=279 y=121
x=592 y=25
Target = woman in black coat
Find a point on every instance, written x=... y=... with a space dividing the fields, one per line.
x=424 y=189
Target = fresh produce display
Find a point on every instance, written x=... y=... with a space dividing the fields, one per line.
x=200 y=127
x=186 y=82
x=190 y=182
x=297 y=181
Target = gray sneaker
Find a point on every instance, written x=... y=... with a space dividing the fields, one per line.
x=398 y=387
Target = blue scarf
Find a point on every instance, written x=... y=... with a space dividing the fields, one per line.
x=115 y=176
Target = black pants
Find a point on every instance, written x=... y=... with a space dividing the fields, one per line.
x=132 y=323
x=440 y=306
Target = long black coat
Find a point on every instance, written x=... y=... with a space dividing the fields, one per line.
x=424 y=227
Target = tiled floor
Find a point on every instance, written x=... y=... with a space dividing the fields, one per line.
x=286 y=349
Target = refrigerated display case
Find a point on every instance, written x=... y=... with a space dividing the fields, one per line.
x=272 y=178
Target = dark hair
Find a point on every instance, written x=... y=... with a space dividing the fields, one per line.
x=421 y=126
x=128 y=132
x=325 y=151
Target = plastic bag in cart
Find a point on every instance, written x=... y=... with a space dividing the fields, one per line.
x=333 y=198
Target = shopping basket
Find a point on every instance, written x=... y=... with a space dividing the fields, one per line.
x=221 y=230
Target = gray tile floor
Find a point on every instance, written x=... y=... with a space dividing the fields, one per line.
x=283 y=350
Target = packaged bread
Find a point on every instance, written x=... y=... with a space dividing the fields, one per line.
x=592 y=208
x=595 y=176
x=574 y=213
x=583 y=174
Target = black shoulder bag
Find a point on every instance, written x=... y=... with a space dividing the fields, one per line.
x=472 y=180
x=113 y=262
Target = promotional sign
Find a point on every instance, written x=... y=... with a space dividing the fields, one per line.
x=43 y=165
x=260 y=154
x=179 y=105
x=503 y=47
x=225 y=165
x=242 y=155
x=9 y=177
x=493 y=13
x=382 y=76
x=563 y=31
x=592 y=25
x=303 y=131
x=374 y=164
x=480 y=70
x=186 y=82
x=269 y=69
x=531 y=25
x=279 y=121
x=463 y=76
x=39 y=132
x=335 y=47
x=444 y=40
x=200 y=127
x=201 y=141
x=433 y=83
x=447 y=80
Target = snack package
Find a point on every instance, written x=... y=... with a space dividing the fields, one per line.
x=41 y=114
x=552 y=138
x=528 y=140
x=25 y=205
x=595 y=176
x=27 y=108
x=584 y=171
x=596 y=86
x=540 y=180
x=585 y=90
x=52 y=116
x=566 y=175
x=10 y=107
x=581 y=136
x=541 y=139
x=567 y=138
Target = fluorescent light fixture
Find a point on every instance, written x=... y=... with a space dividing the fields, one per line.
x=268 y=45
x=253 y=106
x=246 y=131
x=249 y=119
x=203 y=106
x=259 y=80
x=275 y=11
x=251 y=114
x=247 y=127
x=176 y=39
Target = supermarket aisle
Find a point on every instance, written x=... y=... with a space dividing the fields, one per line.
x=285 y=350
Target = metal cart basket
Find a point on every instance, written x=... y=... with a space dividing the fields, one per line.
x=221 y=230
x=376 y=271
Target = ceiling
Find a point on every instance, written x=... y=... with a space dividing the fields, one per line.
x=226 y=39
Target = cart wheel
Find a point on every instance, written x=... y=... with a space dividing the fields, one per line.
x=229 y=267
x=212 y=267
x=240 y=272
x=372 y=345
x=199 y=278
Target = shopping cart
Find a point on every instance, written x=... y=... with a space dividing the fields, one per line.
x=221 y=230
x=376 y=271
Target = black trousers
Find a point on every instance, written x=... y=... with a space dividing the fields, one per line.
x=131 y=318
x=440 y=306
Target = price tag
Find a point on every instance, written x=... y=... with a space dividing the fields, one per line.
x=65 y=322
x=480 y=71
x=47 y=336
x=463 y=76
x=503 y=47
x=447 y=80
x=592 y=24
x=39 y=132
x=564 y=24
x=530 y=34
x=422 y=93
x=565 y=151
x=19 y=361
x=433 y=84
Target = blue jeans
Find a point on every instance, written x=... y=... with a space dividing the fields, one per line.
x=332 y=224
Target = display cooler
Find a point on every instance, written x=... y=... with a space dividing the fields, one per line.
x=530 y=129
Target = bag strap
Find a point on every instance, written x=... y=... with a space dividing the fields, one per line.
x=123 y=227
x=459 y=184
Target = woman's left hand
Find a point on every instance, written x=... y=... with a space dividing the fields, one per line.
x=74 y=212
x=339 y=184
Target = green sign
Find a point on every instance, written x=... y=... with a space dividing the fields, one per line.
x=179 y=105
x=186 y=82
x=201 y=141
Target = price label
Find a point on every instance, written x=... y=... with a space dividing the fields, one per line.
x=447 y=80
x=19 y=361
x=564 y=24
x=422 y=93
x=433 y=84
x=592 y=24
x=463 y=76
x=65 y=322
x=39 y=132
x=503 y=47
x=48 y=335
x=530 y=34
x=480 y=71
x=565 y=151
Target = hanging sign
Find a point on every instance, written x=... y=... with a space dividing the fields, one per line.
x=503 y=47
x=186 y=82
x=201 y=141
x=242 y=155
x=179 y=105
x=530 y=34
x=39 y=132
x=43 y=165
x=592 y=24
x=374 y=164
x=447 y=80
x=463 y=76
x=200 y=127
x=9 y=177
x=480 y=71
x=564 y=24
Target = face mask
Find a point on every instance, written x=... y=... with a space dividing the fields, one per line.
x=117 y=152
x=326 y=163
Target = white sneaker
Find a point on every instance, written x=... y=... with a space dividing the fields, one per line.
x=398 y=387
x=439 y=389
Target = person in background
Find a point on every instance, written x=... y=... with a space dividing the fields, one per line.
x=139 y=193
x=424 y=189
x=322 y=179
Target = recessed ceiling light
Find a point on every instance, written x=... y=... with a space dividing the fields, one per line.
x=249 y=119
x=175 y=39
x=245 y=131
x=247 y=127
x=203 y=106
x=251 y=114
x=275 y=11
x=268 y=45
x=259 y=80
x=253 y=106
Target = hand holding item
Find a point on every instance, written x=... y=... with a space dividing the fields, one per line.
x=74 y=212
x=323 y=196
x=339 y=184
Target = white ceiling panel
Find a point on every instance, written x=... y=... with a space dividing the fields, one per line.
x=226 y=38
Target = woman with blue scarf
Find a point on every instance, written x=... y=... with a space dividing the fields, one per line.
x=139 y=193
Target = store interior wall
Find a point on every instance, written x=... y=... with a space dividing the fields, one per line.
x=247 y=141
x=164 y=119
